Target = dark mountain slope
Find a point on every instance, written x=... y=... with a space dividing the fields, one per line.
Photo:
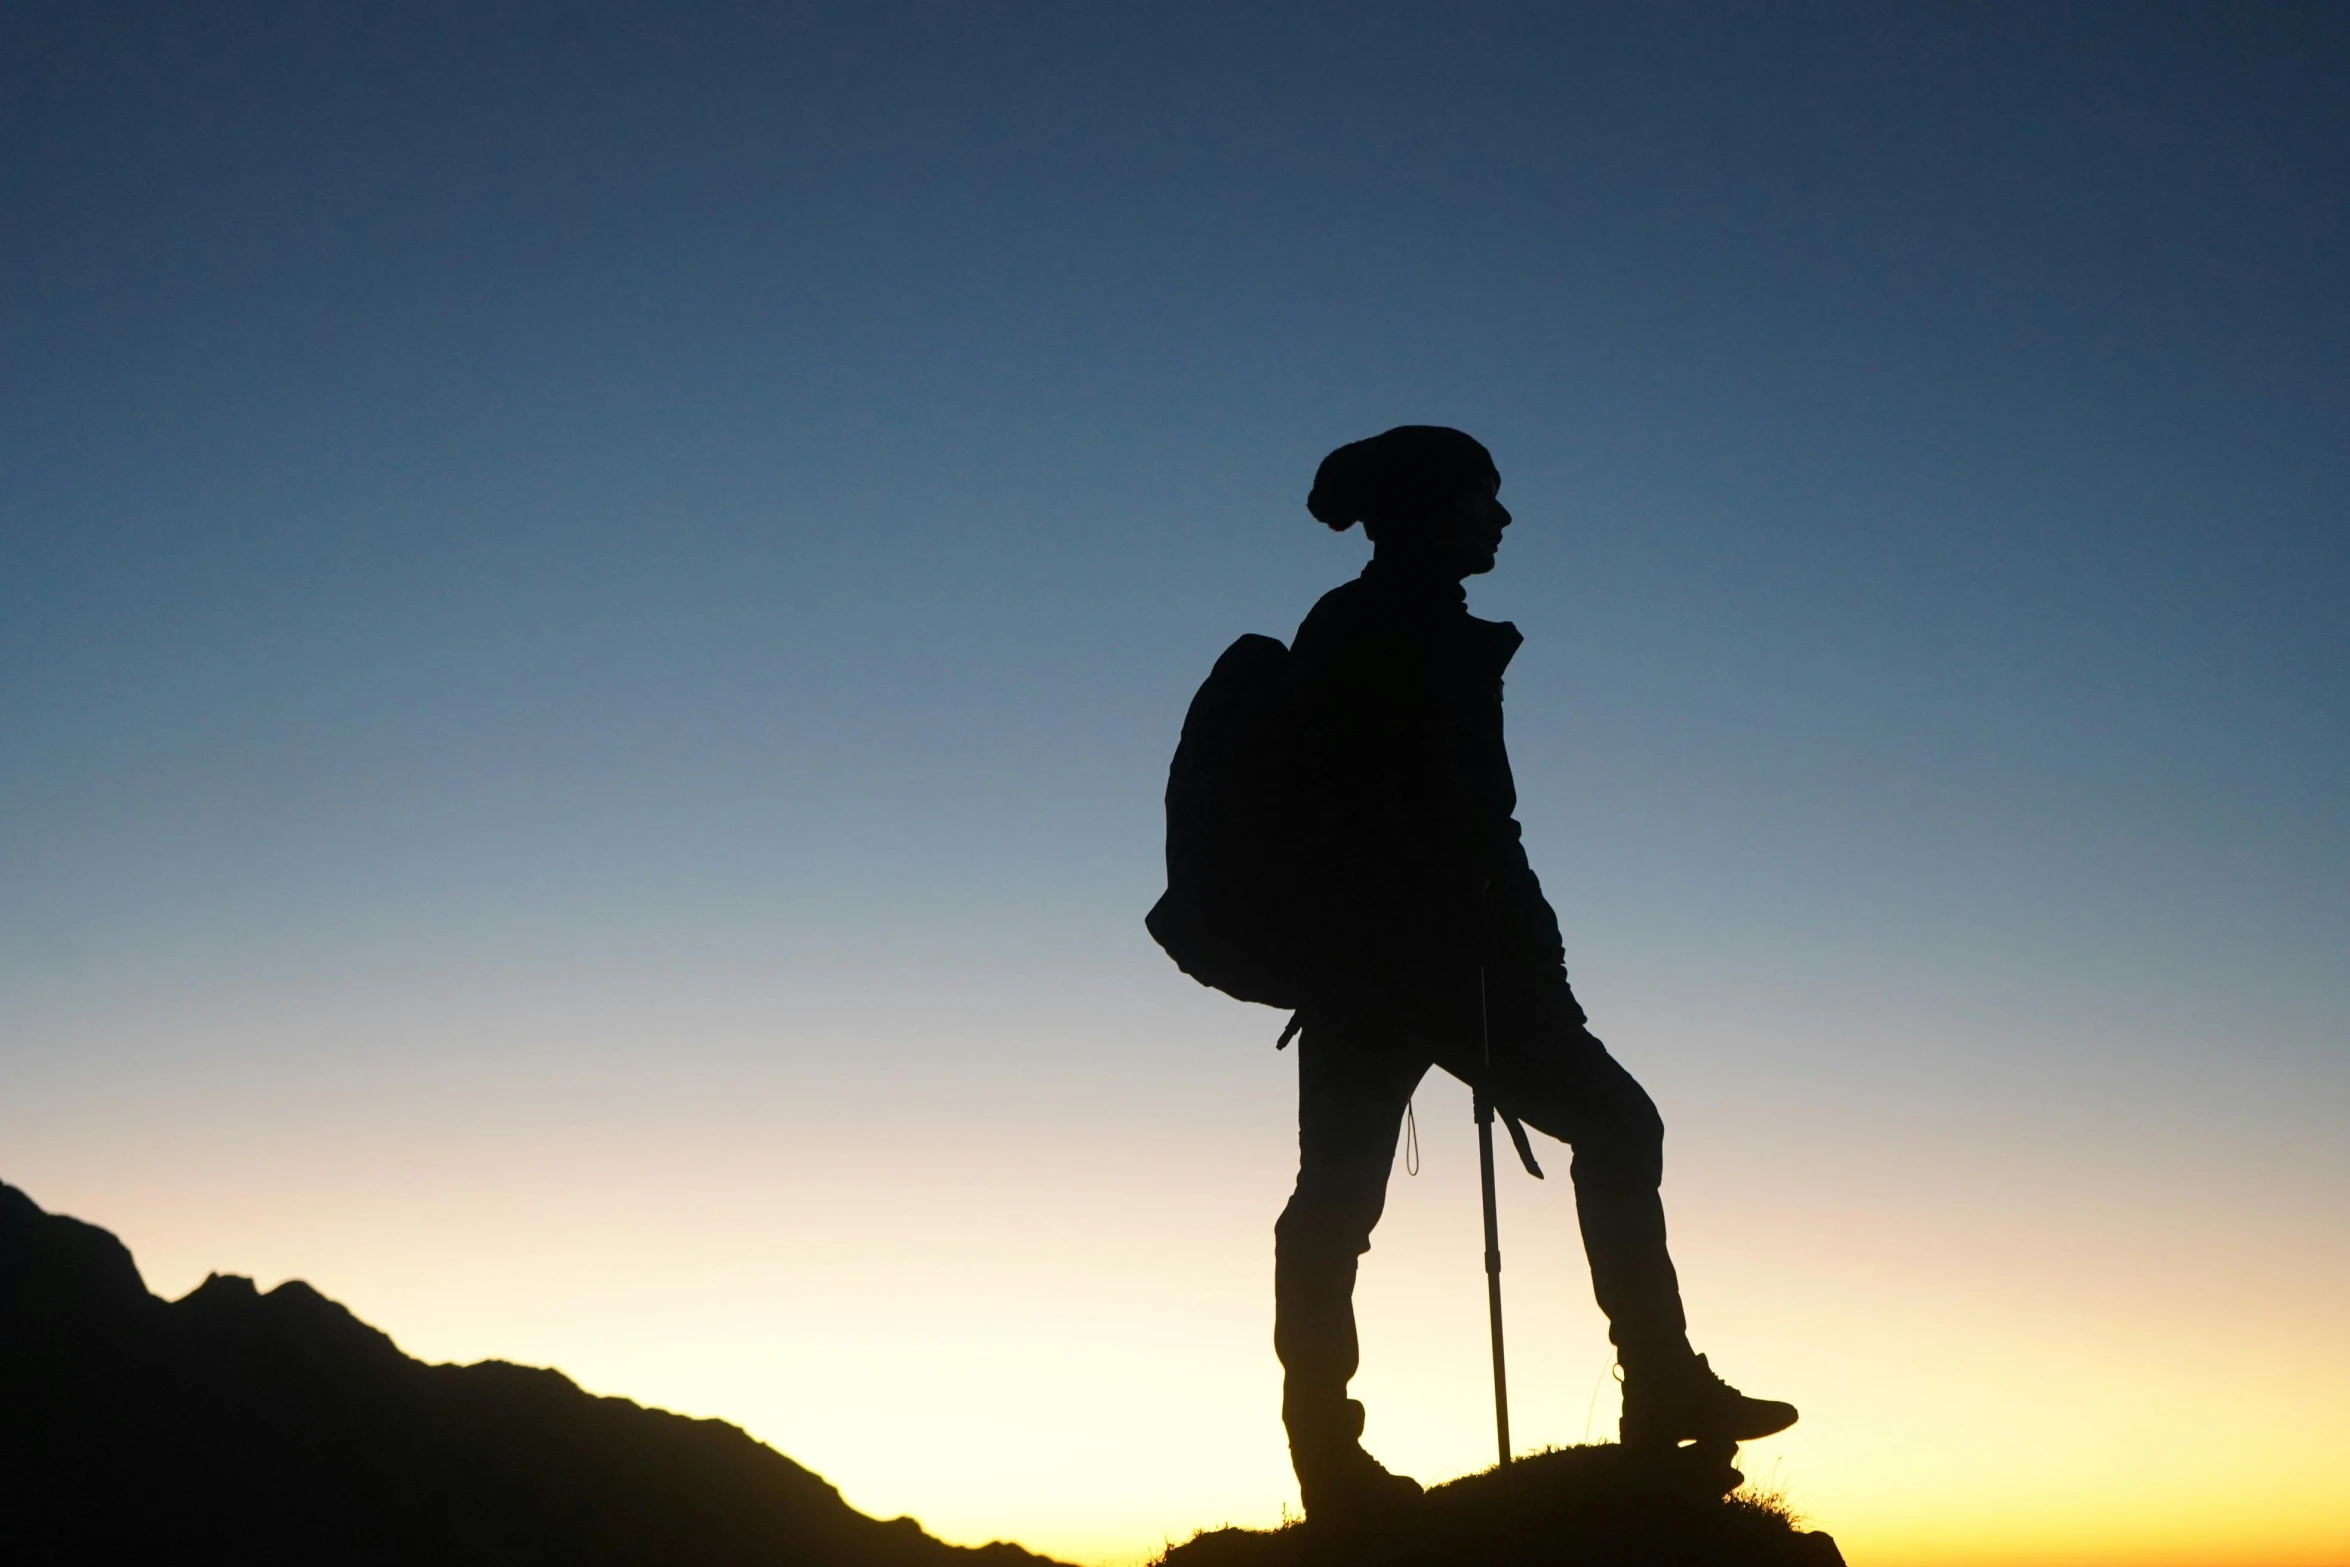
x=280 y=1427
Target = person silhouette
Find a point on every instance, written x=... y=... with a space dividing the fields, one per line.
x=1431 y=935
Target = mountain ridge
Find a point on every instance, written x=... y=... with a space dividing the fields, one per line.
x=278 y=1425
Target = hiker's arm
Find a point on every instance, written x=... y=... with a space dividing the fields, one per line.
x=1522 y=929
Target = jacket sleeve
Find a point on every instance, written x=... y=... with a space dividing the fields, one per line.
x=1522 y=930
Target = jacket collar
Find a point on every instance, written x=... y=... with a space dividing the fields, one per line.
x=1493 y=642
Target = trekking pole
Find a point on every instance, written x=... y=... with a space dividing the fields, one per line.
x=1484 y=1108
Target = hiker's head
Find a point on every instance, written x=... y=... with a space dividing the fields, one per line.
x=1424 y=494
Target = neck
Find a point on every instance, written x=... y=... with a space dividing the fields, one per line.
x=1415 y=582
x=1415 y=566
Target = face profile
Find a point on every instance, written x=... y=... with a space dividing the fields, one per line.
x=1468 y=533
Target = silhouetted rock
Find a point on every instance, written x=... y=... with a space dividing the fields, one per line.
x=1572 y=1507
x=278 y=1427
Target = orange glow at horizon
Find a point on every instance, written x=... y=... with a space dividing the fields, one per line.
x=1012 y=1323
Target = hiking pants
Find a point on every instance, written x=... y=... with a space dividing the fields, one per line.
x=1359 y=1060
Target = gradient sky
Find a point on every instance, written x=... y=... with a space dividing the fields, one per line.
x=594 y=601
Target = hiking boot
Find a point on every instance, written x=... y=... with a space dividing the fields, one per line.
x=1678 y=1401
x=1339 y=1482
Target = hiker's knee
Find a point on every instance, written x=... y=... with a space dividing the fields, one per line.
x=1619 y=1164
x=1328 y=1217
x=1642 y=1124
x=1622 y=1138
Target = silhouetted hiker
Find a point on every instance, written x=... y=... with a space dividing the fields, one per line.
x=1385 y=894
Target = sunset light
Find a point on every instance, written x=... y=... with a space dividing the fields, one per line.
x=596 y=603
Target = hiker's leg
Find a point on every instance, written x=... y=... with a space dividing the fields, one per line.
x=1559 y=1079
x=1352 y=1087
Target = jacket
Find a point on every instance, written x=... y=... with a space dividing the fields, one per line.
x=1414 y=852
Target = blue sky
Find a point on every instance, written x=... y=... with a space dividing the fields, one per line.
x=571 y=577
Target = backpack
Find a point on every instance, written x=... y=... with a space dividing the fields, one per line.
x=1233 y=917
